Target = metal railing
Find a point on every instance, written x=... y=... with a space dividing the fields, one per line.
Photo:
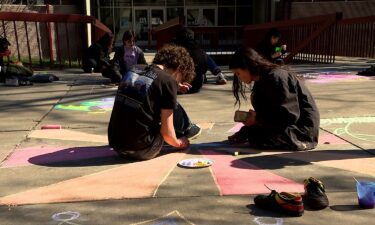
x=356 y=37
x=308 y=40
x=48 y=39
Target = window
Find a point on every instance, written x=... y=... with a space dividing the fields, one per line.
x=175 y=2
x=200 y=2
x=174 y=12
x=149 y=2
x=244 y=15
x=226 y=16
x=226 y=2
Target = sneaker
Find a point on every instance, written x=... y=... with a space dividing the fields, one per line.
x=315 y=196
x=193 y=132
x=285 y=202
x=220 y=79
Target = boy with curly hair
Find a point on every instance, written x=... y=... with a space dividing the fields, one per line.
x=146 y=112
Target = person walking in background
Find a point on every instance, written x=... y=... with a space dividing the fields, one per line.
x=146 y=112
x=270 y=48
x=285 y=114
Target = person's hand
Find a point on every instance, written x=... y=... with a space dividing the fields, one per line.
x=183 y=143
x=251 y=118
x=184 y=87
x=276 y=55
x=283 y=47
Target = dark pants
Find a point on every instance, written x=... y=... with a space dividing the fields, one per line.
x=181 y=124
x=111 y=73
x=89 y=65
x=196 y=84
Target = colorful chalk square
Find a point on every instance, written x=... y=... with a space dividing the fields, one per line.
x=196 y=163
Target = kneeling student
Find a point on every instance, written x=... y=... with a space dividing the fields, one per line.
x=146 y=112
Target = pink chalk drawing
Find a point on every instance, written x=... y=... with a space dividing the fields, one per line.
x=236 y=128
x=41 y=155
x=331 y=139
x=237 y=177
x=334 y=77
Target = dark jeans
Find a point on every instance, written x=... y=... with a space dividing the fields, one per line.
x=212 y=66
x=181 y=124
x=196 y=84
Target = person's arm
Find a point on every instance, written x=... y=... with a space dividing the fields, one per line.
x=167 y=130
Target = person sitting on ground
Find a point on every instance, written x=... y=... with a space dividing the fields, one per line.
x=202 y=61
x=146 y=112
x=96 y=57
x=270 y=47
x=285 y=114
x=129 y=54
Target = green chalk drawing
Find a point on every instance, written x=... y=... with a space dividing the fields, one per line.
x=347 y=124
x=347 y=120
x=91 y=106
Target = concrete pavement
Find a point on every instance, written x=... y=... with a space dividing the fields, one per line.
x=70 y=176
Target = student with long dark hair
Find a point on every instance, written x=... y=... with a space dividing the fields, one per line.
x=285 y=114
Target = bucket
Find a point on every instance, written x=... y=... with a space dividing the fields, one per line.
x=366 y=194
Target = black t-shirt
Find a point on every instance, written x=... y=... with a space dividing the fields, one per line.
x=135 y=119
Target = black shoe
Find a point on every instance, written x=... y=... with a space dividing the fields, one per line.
x=193 y=132
x=315 y=196
x=285 y=202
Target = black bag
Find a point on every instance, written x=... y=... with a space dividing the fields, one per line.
x=4 y=44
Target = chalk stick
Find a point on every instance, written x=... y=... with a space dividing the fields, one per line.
x=234 y=153
x=51 y=126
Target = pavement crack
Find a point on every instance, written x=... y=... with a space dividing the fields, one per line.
x=36 y=124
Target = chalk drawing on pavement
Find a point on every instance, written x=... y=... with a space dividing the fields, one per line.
x=324 y=78
x=346 y=127
x=268 y=221
x=66 y=217
x=172 y=218
x=91 y=106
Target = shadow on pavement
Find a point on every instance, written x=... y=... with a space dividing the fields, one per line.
x=78 y=157
x=344 y=208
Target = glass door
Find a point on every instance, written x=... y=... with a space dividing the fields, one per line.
x=144 y=20
x=203 y=16
x=141 y=27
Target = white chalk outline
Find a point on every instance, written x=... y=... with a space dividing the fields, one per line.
x=73 y=216
x=279 y=221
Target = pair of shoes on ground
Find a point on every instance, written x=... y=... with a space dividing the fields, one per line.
x=193 y=132
x=292 y=203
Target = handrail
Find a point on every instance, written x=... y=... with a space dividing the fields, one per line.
x=308 y=39
x=56 y=18
x=62 y=34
